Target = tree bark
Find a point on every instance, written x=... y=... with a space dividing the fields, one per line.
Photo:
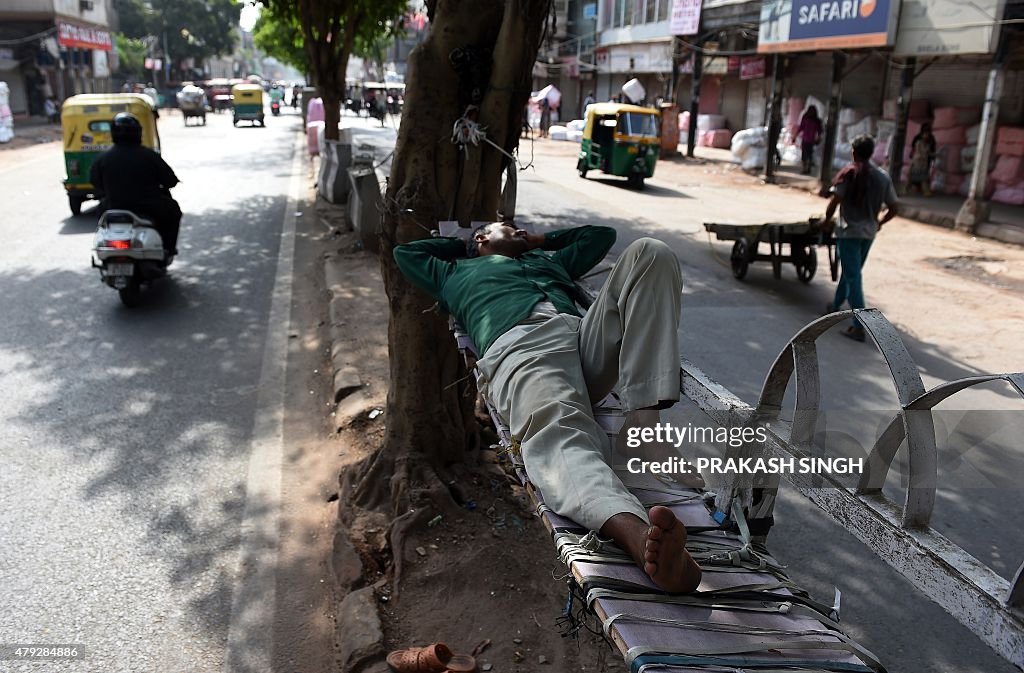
x=430 y=420
x=329 y=37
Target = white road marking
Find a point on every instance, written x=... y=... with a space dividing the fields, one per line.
x=250 y=630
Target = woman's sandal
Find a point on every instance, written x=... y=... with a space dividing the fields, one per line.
x=436 y=658
x=431 y=659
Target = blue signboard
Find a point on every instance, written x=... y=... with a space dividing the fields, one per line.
x=807 y=25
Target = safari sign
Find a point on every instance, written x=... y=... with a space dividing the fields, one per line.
x=809 y=25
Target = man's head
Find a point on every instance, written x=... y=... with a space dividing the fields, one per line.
x=497 y=238
x=125 y=129
x=863 y=148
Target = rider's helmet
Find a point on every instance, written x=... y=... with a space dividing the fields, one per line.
x=126 y=129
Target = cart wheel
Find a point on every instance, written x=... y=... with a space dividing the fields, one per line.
x=806 y=263
x=833 y=263
x=738 y=258
x=581 y=168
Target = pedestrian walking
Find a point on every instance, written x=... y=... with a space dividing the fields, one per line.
x=588 y=101
x=545 y=117
x=50 y=107
x=922 y=154
x=859 y=191
x=809 y=133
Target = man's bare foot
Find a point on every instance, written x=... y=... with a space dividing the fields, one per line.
x=659 y=549
x=666 y=560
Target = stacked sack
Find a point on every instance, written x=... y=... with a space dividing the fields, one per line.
x=749 y=148
x=967 y=156
x=949 y=127
x=851 y=124
x=711 y=131
x=574 y=130
x=1007 y=178
x=6 y=119
x=684 y=122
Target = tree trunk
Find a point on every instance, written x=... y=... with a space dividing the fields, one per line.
x=430 y=423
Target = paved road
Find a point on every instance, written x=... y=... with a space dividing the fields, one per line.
x=127 y=498
x=735 y=330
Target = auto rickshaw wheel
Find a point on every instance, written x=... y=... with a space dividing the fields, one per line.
x=738 y=259
x=806 y=263
x=581 y=168
x=234 y=122
x=75 y=203
x=636 y=181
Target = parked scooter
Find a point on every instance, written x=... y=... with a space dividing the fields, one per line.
x=275 y=108
x=129 y=254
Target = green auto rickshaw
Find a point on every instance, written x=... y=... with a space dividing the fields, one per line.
x=85 y=121
x=247 y=104
x=620 y=140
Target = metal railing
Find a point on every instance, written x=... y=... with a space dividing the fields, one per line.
x=987 y=604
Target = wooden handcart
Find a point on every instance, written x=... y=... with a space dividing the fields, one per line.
x=803 y=238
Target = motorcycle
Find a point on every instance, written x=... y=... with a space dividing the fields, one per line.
x=129 y=253
x=275 y=108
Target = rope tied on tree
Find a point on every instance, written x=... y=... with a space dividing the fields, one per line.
x=466 y=131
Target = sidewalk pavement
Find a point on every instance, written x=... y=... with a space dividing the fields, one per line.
x=1006 y=223
x=31 y=131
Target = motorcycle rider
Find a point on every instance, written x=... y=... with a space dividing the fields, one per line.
x=132 y=177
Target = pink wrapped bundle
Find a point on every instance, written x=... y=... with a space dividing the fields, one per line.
x=720 y=138
x=948 y=117
x=947 y=158
x=1009 y=170
x=1009 y=194
x=881 y=155
x=795 y=111
x=920 y=110
x=315 y=110
x=313 y=130
x=1010 y=140
x=965 y=187
x=684 y=121
x=957 y=135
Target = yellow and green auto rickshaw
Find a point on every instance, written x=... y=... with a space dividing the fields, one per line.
x=620 y=140
x=247 y=103
x=85 y=120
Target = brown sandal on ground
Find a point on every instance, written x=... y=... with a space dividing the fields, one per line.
x=462 y=663
x=431 y=659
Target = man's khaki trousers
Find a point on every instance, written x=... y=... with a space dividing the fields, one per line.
x=544 y=382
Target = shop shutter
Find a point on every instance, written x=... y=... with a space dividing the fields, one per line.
x=959 y=83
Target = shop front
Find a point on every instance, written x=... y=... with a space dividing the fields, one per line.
x=648 y=62
x=84 y=64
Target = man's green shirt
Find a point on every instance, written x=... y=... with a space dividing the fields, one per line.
x=489 y=295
